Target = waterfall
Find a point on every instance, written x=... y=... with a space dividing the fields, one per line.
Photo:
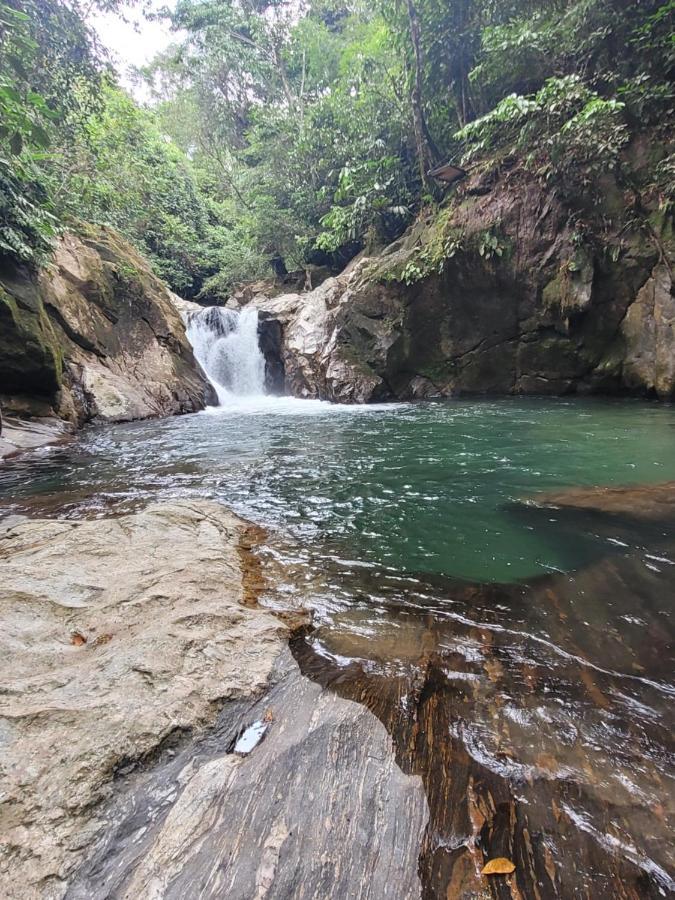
x=225 y=343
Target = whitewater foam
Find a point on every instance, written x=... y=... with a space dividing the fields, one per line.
x=225 y=343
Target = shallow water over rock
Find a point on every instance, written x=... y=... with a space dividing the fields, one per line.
x=519 y=655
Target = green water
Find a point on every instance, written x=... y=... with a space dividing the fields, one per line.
x=437 y=602
x=420 y=488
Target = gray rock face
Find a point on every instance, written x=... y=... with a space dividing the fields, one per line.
x=318 y=809
x=116 y=634
x=436 y=314
x=95 y=336
x=329 y=338
x=649 y=331
x=130 y=667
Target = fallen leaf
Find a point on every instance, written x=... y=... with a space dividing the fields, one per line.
x=269 y=715
x=499 y=866
x=77 y=639
x=102 y=639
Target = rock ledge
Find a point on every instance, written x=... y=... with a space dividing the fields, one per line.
x=116 y=634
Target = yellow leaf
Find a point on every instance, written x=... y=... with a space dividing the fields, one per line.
x=499 y=866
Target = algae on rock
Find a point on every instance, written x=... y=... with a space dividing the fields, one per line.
x=94 y=335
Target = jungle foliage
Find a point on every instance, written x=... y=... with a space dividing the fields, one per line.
x=284 y=133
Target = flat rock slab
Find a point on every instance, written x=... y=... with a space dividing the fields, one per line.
x=644 y=502
x=19 y=435
x=115 y=635
x=319 y=808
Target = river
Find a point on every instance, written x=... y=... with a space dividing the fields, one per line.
x=517 y=655
x=520 y=657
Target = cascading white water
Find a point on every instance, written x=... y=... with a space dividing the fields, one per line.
x=225 y=343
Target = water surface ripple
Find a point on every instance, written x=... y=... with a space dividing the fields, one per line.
x=521 y=658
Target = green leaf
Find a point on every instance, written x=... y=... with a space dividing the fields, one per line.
x=10 y=93
x=18 y=66
x=16 y=143
x=39 y=136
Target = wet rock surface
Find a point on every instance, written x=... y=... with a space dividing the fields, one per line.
x=445 y=722
x=319 y=808
x=19 y=435
x=320 y=359
x=270 y=339
x=117 y=635
x=521 y=726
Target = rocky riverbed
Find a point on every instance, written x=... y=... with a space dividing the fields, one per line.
x=134 y=655
x=488 y=671
x=118 y=636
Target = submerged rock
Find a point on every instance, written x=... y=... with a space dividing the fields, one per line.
x=644 y=502
x=19 y=435
x=116 y=635
x=94 y=336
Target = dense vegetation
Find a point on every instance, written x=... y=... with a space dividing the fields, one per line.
x=281 y=133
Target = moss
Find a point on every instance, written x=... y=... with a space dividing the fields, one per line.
x=128 y=271
x=353 y=357
x=130 y=279
x=554 y=292
x=438 y=371
x=661 y=221
x=9 y=303
x=30 y=356
x=438 y=241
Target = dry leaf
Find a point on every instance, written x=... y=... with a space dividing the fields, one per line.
x=499 y=866
x=77 y=639
x=269 y=715
x=102 y=639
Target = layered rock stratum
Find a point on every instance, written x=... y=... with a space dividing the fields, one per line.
x=133 y=655
x=117 y=635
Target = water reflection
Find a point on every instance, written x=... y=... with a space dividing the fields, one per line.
x=538 y=716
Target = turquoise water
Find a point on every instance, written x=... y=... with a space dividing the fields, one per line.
x=419 y=488
x=517 y=655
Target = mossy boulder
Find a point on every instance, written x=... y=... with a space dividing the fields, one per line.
x=96 y=335
x=30 y=356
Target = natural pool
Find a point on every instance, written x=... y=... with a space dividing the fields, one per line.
x=521 y=658
x=424 y=487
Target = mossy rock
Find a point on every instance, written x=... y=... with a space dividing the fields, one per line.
x=30 y=357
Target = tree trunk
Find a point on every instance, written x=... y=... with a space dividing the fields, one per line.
x=424 y=155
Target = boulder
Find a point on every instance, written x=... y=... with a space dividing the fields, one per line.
x=94 y=336
x=116 y=636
